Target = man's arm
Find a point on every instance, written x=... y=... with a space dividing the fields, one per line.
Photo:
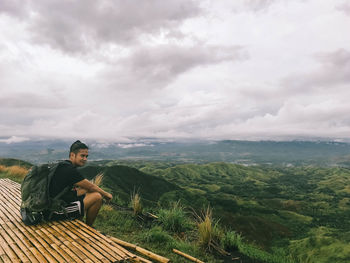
x=90 y=187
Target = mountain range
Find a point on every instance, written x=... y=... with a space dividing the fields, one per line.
x=282 y=153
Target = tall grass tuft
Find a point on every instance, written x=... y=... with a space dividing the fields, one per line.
x=174 y=219
x=97 y=180
x=2 y=169
x=209 y=233
x=135 y=201
x=16 y=173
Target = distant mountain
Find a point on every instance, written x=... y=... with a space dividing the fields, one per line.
x=281 y=153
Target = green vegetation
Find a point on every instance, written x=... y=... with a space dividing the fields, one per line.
x=15 y=173
x=270 y=214
x=174 y=219
x=275 y=208
x=202 y=239
x=14 y=162
x=209 y=233
x=151 y=235
x=135 y=202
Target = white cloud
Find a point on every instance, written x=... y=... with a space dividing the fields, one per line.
x=181 y=69
x=14 y=139
x=76 y=27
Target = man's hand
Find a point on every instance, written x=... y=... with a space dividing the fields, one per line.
x=108 y=196
x=90 y=188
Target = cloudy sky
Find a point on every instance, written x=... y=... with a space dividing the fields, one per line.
x=119 y=70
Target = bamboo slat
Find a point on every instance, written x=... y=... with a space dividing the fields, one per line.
x=187 y=256
x=57 y=241
x=141 y=250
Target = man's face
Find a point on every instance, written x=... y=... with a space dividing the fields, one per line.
x=80 y=158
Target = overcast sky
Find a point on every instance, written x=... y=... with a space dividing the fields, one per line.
x=179 y=69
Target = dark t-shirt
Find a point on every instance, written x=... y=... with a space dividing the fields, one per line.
x=65 y=175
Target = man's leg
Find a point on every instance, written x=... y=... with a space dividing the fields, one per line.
x=92 y=204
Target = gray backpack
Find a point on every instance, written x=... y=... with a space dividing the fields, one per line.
x=36 y=200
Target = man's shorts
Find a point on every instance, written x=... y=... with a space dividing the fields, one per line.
x=72 y=211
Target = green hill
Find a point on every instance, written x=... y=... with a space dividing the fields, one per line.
x=14 y=162
x=122 y=181
x=275 y=207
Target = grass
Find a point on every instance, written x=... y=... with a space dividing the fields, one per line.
x=174 y=219
x=231 y=241
x=124 y=225
x=15 y=173
x=209 y=232
x=256 y=253
x=157 y=239
x=156 y=235
x=97 y=180
x=321 y=246
x=135 y=202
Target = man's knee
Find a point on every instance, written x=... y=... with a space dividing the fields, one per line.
x=97 y=197
x=92 y=199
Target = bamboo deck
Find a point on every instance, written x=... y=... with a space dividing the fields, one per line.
x=58 y=241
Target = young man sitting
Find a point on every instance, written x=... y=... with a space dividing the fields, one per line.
x=85 y=197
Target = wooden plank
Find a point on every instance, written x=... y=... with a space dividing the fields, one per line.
x=187 y=256
x=53 y=252
x=101 y=244
x=9 y=211
x=71 y=250
x=80 y=250
x=8 y=250
x=10 y=200
x=34 y=246
x=115 y=246
x=57 y=245
x=16 y=244
x=29 y=234
x=88 y=240
x=84 y=246
x=12 y=193
x=28 y=257
x=60 y=241
x=48 y=244
x=6 y=213
x=3 y=255
x=141 y=250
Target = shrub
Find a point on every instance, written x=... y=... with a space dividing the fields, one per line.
x=97 y=180
x=135 y=201
x=231 y=240
x=115 y=222
x=256 y=253
x=2 y=168
x=209 y=233
x=174 y=219
x=159 y=236
x=16 y=173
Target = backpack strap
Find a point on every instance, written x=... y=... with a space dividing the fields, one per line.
x=57 y=203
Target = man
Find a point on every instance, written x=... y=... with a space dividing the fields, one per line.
x=84 y=196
